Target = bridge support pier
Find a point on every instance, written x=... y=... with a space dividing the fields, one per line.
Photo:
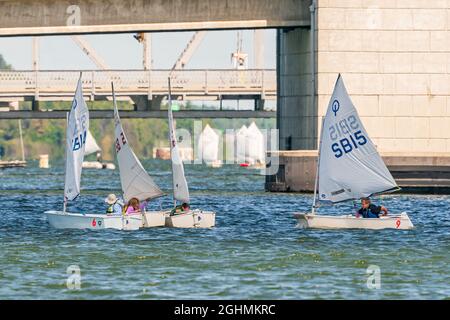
x=35 y=105
x=142 y=103
x=297 y=114
x=259 y=104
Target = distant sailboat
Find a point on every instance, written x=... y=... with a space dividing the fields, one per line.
x=241 y=145
x=16 y=163
x=255 y=153
x=91 y=148
x=250 y=146
x=91 y=145
x=349 y=168
x=208 y=147
x=77 y=128
x=193 y=218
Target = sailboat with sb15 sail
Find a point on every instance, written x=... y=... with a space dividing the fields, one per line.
x=349 y=168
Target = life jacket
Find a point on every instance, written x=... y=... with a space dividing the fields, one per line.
x=110 y=208
x=178 y=209
x=367 y=213
x=125 y=208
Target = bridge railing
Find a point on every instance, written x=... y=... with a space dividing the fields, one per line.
x=152 y=82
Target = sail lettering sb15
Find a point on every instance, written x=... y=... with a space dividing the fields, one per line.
x=123 y=140
x=347 y=136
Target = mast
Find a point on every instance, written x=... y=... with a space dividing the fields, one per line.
x=21 y=140
x=65 y=161
x=170 y=134
x=316 y=182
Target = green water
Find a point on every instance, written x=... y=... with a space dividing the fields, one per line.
x=255 y=251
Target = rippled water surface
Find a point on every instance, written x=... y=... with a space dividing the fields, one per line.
x=255 y=251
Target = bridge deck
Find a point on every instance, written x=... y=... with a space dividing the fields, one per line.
x=160 y=114
x=39 y=17
x=189 y=84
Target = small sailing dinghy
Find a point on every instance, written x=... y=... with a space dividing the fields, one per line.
x=240 y=141
x=135 y=181
x=208 y=147
x=91 y=148
x=255 y=152
x=193 y=218
x=349 y=168
x=77 y=128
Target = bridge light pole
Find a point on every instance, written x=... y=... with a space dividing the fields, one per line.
x=147 y=52
x=145 y=39
x=35 y=66
x=35 y=54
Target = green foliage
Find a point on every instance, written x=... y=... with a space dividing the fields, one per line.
x=48 y=136
x=3 y=64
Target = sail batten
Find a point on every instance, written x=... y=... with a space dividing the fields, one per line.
x=135 y=181
x=350 y=166
x=77 y=128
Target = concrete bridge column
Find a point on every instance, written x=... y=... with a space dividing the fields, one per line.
x=35 y=105
x=142 y=103
x=297 y=115
x=259 y=104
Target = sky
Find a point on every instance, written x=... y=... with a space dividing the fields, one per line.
x=122 y=51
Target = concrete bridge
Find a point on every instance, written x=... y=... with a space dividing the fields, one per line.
x=58 y=17
x=24 y=17
x=146 y=89
x=393 y=56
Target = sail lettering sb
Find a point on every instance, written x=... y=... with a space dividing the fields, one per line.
x=79 y=141
x=123 y=140
x=347 y=136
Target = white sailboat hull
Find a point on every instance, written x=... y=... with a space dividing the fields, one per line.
x=154 y=219
x=98 y=165
x=191 y=219
x=61 y=220
x=214 y=164
x=314 y=221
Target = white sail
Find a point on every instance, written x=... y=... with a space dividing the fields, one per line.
x=255 y=148
x=136 y=182
x=241 y=144
x=180 y=187
x=208 y=145
x=77 y=128
x=91 y=145
x=349 y=165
